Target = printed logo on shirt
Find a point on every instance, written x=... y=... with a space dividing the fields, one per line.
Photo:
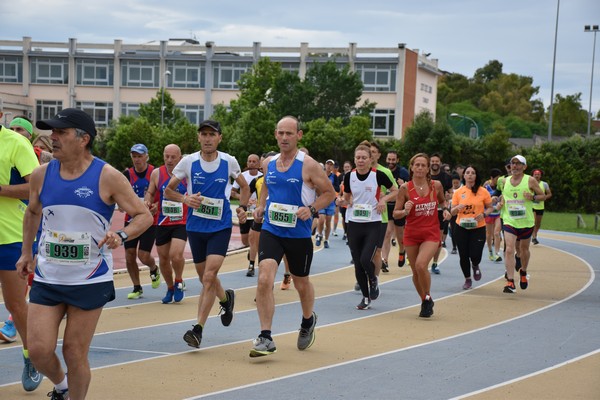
x=84 y=192
x=221 y=180
x=293 y=180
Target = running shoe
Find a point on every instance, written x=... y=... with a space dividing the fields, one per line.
x=444 y=244
x=334 y=233
x=401 y=259
x=426 y=308
x=326 y=244
x=318 y=239
x=58 y=394
x=250 y=272
x=394 y=242
x=136 y=293
x=497 y=258
x=8 y=333
x=227 y=308
x=453 y=251
x=492 y=257
x=193 y=337
x=374 y=289
x=365 y=304
x=384 y=266
x=476 y=272
x=467 y=285
x=168 y=297
x=517 y=263
x=435 y=269
x=510 y=287
x=155 y=277
x=285 y=284
x=306 y=336
x=178 y=294
x=535 y=241
x=262 y=347
x=30 y=378
x=345 y=237
x=356 y=287
x=523 y=282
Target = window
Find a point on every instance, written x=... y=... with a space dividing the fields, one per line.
x=49 y=70
x=95 y=72
x=194 y=113
x=46 y=109
x=226 y=75
x=186 y=74
x=102 y=113
x=139 y=73
x=294 y=68
x=377 y=77
x=130 y=109
x=426 y=88
x=382 y=122
x=11 y=69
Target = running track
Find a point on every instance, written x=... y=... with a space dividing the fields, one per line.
x=542 y=343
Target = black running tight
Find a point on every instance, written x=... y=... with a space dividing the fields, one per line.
x=470 y=243
x=363 y=239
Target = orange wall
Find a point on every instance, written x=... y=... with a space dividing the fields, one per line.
x=410 y=89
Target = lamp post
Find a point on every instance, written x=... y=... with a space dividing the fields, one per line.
x=455 y=115
x=592 y=28
x=162 y=101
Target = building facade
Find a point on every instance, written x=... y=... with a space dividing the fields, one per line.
x=38 y=79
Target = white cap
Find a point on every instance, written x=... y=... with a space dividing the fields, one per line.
x=520 y=158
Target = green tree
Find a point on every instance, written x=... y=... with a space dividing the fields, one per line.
x=568 y=115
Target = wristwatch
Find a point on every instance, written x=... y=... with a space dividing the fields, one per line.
x=313 y=211
x=122 y=235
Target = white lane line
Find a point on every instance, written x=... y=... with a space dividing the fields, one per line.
x=521 y=378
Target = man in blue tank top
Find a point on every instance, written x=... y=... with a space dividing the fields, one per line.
x=208 y=174
x=288 y=202
x=74 y=197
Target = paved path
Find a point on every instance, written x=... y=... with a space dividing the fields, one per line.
x=542 y=343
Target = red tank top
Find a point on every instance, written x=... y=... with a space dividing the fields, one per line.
x=423 y=215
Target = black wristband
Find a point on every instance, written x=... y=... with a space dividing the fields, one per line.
x=245 y=208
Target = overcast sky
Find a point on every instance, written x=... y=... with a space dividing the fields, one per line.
x=462 y=34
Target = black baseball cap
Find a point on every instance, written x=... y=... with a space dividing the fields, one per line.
x=214 y=125
x=69 y=118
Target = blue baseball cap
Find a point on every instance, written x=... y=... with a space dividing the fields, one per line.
x=139 y=148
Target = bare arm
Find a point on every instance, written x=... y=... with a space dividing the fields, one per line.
x=20 y=191
x=244 y=197
x=261 y=202
x=115 y=188
x=151 y=192
x=314 y=174
x=441 y=197
x=403 y=204
x=31 y=222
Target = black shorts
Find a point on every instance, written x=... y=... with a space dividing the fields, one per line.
x=538 y=212
x=299 y=252
x=164 y=234
x=443 y=223
x=245 y=227
x=145 y=240
x=382 y=235
x=256 y=226
x=204 y=244
x=86 y=297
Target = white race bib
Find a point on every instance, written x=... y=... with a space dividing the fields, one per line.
x=516 y=211
x=67 y=247
x=283 y=215
x=468 y=223
x=172 y=209
x=362 y=212
x=210 y=209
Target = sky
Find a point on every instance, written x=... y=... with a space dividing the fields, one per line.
x=463 y=35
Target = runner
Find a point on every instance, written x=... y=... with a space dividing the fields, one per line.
x=326 y=214
x=139 y=178
x=74 y=194
x=438 y=174
x=395 y=231
x=538 y=206
x=471 y=203
x=208 y=172
x=288 y=202
x=171 y=235
x=493 y=224
x=365 y=206
x=17 y=162
x=418 y=201
x=518 y=194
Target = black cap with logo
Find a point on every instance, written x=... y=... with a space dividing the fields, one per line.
x=69 y=118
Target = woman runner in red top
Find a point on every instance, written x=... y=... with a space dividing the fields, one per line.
x=418 y=200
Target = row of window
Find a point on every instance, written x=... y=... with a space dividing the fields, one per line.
x=181 y=74
x=382 y=121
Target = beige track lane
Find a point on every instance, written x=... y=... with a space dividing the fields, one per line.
x=208 y=370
